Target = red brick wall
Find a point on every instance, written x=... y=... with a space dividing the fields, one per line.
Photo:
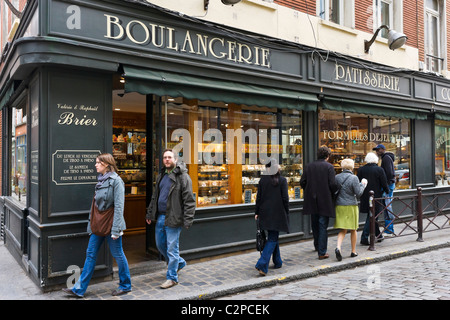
x=447 y=32
x=413 y=22
x=299 y=5
x=364 y=15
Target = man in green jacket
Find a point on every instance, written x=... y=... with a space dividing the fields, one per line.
x=172 y=207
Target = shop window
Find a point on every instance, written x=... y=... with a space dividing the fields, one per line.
x=225 y=146
x=442 y=156
x=18 y=173
x=351 y=135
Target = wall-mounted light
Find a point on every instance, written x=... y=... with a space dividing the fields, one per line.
x=395 y=39
x=226 y=2
x=122 y=79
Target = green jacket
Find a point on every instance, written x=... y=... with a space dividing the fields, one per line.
x=180 y=202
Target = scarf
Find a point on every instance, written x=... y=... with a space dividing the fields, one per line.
x=102 y=178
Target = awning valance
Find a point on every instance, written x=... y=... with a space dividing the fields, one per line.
x=146 y=81
x=6 y=95
x=374 y=109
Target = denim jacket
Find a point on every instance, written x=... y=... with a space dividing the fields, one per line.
x=111 y=193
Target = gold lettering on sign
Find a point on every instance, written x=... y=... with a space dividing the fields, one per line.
x=163 y=37
x=353 y=75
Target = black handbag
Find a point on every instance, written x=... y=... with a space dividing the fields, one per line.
x=260 y=238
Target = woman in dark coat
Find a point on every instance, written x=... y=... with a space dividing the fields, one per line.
x=272 y=210
x=377 y=182
x=318 y=181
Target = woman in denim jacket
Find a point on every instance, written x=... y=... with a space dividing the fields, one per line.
x=109 y=191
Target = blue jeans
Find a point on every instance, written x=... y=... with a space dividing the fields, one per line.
x=167 y=242
x=115 y=246
x=270 y=249
x=319 y=225
x=387 y=213
x=366 y=230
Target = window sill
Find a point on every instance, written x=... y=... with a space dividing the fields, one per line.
x=268 y=5
x=338 y=27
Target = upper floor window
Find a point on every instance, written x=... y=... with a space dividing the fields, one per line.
x=389 y=13
x=433 y=20
x=331 y=10
x=338 y=11
x=384 y=14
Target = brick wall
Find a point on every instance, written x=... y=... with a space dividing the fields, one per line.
x=364 y=15
x=447 y=32
x=306 y=6
x=413 y=22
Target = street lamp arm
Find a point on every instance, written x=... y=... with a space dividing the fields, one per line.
x=367 y=44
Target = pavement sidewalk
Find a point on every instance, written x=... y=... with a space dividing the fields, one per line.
x=213 y=278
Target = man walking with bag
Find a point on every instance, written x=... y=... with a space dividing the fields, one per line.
x=172 y=207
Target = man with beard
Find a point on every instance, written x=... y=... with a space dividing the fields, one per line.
x=172 y=207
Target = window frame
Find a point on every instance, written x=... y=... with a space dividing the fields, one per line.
x=439 y=56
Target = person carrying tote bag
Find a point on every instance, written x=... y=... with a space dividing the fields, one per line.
x=272 y=211
x=109 y=200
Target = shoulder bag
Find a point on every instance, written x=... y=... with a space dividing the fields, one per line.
x=336 y=193
x=101 y=221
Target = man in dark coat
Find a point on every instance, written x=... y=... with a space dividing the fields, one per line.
x=377 y=183
x=318 y=182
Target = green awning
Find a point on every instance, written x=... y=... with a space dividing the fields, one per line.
x=374 y=109
x=146 y=81
x=6 y=95
x=442 y=116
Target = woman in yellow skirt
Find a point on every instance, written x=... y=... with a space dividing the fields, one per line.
x=347 y=213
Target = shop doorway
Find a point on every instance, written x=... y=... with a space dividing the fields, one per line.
x=130 y=134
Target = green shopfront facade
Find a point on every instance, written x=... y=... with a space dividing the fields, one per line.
x=58 y=86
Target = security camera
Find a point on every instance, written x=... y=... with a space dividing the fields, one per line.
x=230 y=2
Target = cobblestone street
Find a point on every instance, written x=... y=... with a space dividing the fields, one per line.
x=420 y=277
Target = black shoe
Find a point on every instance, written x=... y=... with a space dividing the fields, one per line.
x=119 y=292
x=338 y=254
x=70 y=292
x=354 y=254
x=365 y=242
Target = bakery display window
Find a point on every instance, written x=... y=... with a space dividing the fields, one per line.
x=225 y=146
x=442 y=155
x=352 y=135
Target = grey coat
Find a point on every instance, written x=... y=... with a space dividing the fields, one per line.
x=351 y=190
x=111 y=193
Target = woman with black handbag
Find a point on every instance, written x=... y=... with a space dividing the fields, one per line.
x=108 y=202
x=272 y=211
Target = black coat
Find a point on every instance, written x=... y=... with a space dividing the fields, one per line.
x=318 y=181
x=272 y=204
x=376 y=182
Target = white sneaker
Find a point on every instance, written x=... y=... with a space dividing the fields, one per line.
x=168 y=284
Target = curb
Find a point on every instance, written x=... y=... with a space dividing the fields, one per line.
x=317 y=272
